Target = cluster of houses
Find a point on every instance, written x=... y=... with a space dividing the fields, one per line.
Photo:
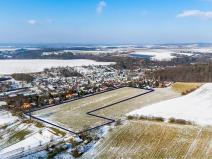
x=56 y=85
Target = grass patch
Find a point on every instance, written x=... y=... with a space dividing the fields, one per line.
x=18 y=136
x=36 y=123
x=17 y=113
x=57 y=131
x=130 y=117
x=185 y=88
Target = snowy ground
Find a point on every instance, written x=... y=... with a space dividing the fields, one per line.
x=159 y=54
x=2 y=103
x=6 y=118
x=33 y=141
x=11 y=130
x=156 y=54
x=8 y=49
x=201 y=50
x=195 y=107
x=28 y=66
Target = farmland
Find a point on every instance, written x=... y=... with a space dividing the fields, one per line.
x=184 y=88
x=73 y=115
x=146 y=139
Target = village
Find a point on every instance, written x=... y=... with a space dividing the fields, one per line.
x=56 y=85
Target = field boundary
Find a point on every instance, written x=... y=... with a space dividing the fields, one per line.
x=91 y=113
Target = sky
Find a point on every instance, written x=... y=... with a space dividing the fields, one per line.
x=105 y=21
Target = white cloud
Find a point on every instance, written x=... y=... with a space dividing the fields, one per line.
x=100 y=7
x=32 y=22
x=196 y=13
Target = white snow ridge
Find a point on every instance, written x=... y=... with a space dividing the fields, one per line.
x=195 y=107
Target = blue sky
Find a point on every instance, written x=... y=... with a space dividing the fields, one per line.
x=107 y=21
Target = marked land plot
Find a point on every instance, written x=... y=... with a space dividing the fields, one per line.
x=73 y=115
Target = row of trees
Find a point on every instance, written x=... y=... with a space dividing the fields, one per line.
x=184 y=73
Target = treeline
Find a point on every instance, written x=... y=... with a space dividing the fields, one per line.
x=184 y=73
x=23 y=77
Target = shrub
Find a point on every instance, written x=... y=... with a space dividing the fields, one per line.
x=179 y=121
x=86 y=136
x=183 y=122
x=142 y=117
x=118 y=122
x=76 y=153
x=55 y=152
x=171 y=120
x=151 y=118
x=158 y=119
x=130 y=117
x=74 y=143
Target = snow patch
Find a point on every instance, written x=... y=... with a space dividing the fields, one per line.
x=195 y=107
x=31 y=142
x=160 y=54
x=156 y=54
x=6 y=118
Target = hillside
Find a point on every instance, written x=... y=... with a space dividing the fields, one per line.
x=195 y=107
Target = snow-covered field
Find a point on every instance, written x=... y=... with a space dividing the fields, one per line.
x=195 y=107
x=200 y=50
x=156 y=54
x=159 y=54
x=8 y=49
x=28 y=66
